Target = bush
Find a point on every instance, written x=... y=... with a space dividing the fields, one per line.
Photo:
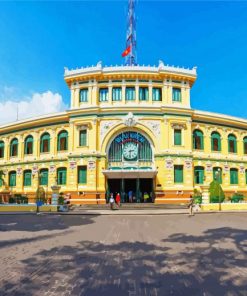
x=197 y=196
x=237 y=197
x=11 y=200
x=61 y=198
x=216 y=192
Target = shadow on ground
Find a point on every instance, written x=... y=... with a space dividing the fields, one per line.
x=48 y=222
x=212 y=263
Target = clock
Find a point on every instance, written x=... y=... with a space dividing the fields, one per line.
x=130 y=151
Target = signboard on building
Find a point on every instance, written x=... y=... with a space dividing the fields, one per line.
x=91 y=164
x=241 y=169
x=209 y=167
x=169 y=163
x=226 y=168
x=35 y=169
x=19 y=171
x=188 y=164
x=72 y=164
x=52 y=169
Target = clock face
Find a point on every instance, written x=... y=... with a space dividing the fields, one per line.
x=130 y=151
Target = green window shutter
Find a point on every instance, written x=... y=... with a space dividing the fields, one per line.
x=14 y=147
x=84 y=95
x=130 y=94
x=1 y=149
x=199 y=175
x=82 y=175
x=45 y=143
x=233 y=176
x=177 y=137
x=178 y=174
x=143 y=93
x=217 y=174
x=62 y=141
x=245 y=176
x=27 y=178
x=232 y=144
x=12 y=179
x=198 y=140
x=116 y=94
x=157 y=94
x=83 y=138
x=103 y=94
x=176 y=94
x=61 y=176
x=44 y=177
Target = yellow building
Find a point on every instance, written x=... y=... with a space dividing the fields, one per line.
x=129 y=129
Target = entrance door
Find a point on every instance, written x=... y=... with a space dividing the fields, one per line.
x=137 y=186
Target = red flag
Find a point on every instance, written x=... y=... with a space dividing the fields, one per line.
x=126 y=52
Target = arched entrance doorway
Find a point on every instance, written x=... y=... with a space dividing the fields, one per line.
x=130 y=167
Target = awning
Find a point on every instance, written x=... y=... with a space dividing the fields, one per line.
x=130 y=174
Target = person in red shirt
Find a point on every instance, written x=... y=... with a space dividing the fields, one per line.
x=118 y=199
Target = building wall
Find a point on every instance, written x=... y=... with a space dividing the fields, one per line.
x=157 y=120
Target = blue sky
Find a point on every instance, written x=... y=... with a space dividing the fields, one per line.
x=39 y=39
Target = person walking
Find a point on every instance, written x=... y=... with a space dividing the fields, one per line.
x=111 y=201
x=130 y=194
x=118 y=199
x=190 y=206
x=146 y=197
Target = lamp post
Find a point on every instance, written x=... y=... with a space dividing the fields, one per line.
x=218 y=179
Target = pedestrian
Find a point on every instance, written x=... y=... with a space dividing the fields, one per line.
x=146 y=197
x=130 y=194
x=112 y=201
x=190 y=206
x=118 y=199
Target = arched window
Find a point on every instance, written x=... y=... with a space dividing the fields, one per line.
x=43 y=175
x=45 y=143
x=61 y=176
x=27 y=178
x=1 y=149
x=12 y=178
x=245 y=145
x=215 y=141
x=232 y=143
x=14 y=147
x=217 y=174
x=62 y=141
x=198 y=140
x=28 y=145
x=199 y=175
x=233 y=176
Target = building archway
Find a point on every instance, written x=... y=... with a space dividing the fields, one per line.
x=130 y=166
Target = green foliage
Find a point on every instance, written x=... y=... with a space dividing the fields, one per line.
x=18 y=199
x=12 y=200
x=197 y=196
x=216 y=192
x=237 y=197
x=61 y=198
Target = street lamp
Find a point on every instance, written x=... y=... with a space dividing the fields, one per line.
x=218 y=179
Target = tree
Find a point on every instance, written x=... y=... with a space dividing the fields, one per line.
x=216 y=192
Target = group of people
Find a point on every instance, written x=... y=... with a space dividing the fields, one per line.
x=131 y=198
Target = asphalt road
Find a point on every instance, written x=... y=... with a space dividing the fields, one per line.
x=123 y=255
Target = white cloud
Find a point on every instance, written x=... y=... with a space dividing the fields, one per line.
x=37 y=104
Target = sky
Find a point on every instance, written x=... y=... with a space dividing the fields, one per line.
x=39 y=39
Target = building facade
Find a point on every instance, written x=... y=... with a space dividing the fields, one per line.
x=129 y=128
